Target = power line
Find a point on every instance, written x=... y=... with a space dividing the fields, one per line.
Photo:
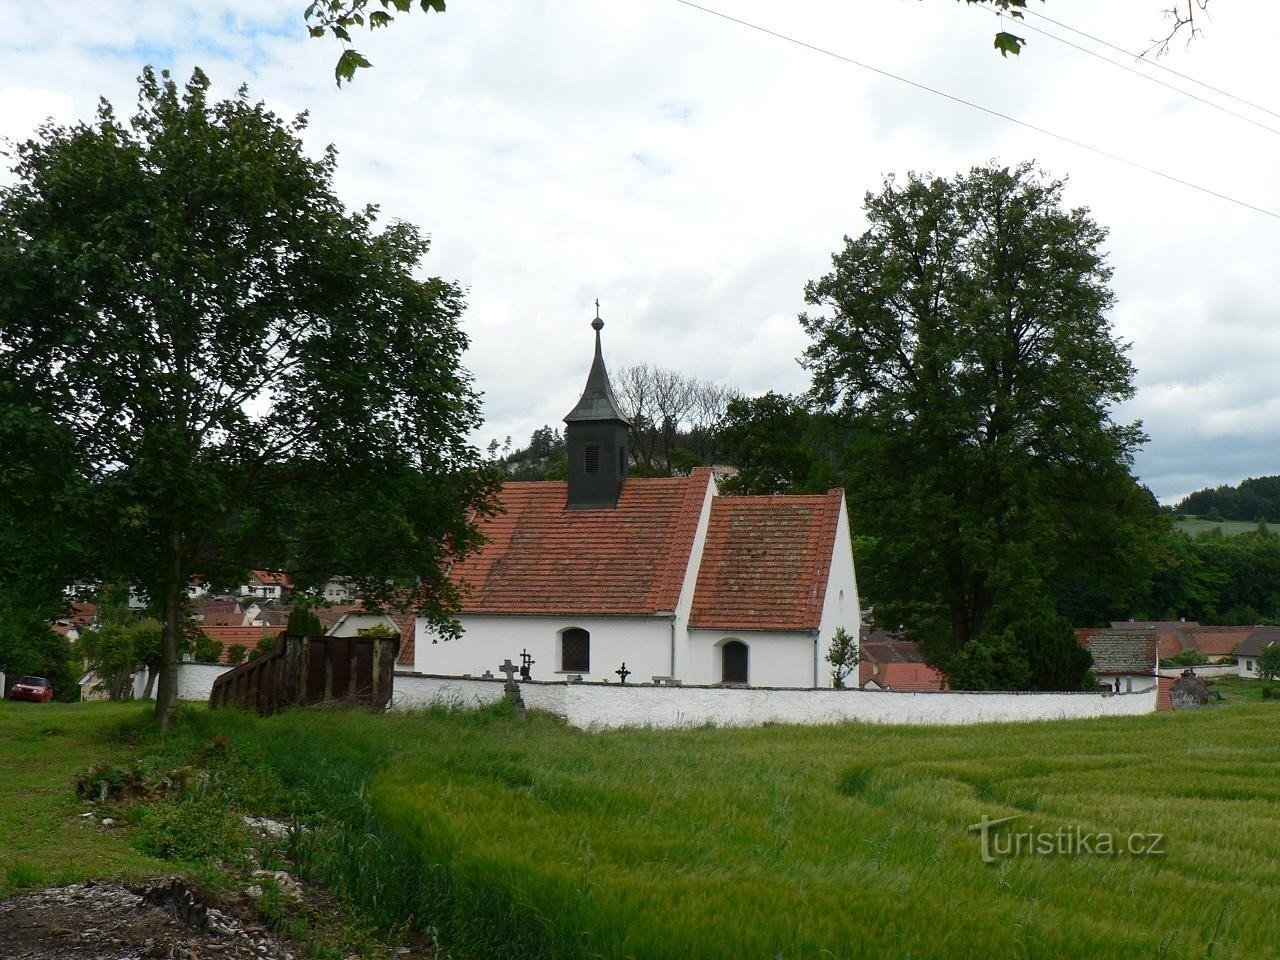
x=987 y=110
x=1154 y=63
x=1145 y=76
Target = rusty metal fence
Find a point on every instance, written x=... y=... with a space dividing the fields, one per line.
x=302 y=670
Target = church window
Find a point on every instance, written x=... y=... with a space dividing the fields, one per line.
x=733 y=662
x=591 y=457
x=575 y=651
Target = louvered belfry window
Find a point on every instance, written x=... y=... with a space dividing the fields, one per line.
x=591 y=457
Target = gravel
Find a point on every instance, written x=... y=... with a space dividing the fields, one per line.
x=160 y=920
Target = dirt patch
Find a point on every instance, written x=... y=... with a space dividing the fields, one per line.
x=161 y=920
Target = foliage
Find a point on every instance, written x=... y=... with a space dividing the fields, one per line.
x=377 y=630
x=237 y=653
x=545 y=458
x=28 y=646
x=239 y=365
x=1056 y=659
x=963 y=339
x=1269 y=663
x=205 y=649
x=122 y=644
x=1187 y=658
x=993 y=661
x=779 y=445
x=1215 y=578
x=1252 y=499
x=843 y=656
x=303 y=622
x=338 y=17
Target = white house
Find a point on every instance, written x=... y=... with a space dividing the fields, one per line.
x=267 y=585
x=1124 y=661
x=660 y=574
x=339 y=590
x=1252 y=647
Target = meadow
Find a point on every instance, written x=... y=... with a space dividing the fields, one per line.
x=502 y=837
x=1194 y=525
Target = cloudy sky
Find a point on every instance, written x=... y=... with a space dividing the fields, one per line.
x=693 y=173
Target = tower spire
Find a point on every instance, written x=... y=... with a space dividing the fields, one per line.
x=596 y=434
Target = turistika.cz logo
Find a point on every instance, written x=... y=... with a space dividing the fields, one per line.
x=1067 y=841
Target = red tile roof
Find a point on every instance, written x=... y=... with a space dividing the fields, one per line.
x=765 y=563
x=543 y=559
x=902 y=676
x=408 y=624
x=246 y=637
x=1216 y=641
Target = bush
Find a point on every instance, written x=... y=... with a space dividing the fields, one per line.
x=1187 y=658
x=190 y=829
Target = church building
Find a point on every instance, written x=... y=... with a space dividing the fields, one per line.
x=662 y=574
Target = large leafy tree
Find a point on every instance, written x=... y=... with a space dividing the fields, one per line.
x=965 y=337
x=246 y=372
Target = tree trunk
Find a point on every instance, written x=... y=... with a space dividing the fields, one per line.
x=167 y=693
x=151 y=682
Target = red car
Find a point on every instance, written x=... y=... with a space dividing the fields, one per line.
x=35 y=689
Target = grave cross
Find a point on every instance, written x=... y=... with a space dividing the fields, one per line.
x=624 y=672
x=508 y=668
x=526 y=662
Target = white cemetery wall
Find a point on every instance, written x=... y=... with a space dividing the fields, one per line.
x=590 y=706
x=195 y=680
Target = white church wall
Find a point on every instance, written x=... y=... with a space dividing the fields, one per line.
x=1128 y=682
x=774 y=659
x=643 y=643
x=594 y=707
x=841 y=606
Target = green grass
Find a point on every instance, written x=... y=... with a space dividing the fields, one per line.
x=1194 y=525
x=43 y=746
x=529 y=839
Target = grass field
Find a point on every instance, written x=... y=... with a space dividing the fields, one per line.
x=529 y=839
x=42 y=837
x=1194 y=525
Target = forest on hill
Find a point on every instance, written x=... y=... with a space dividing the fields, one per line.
x=1257 y=498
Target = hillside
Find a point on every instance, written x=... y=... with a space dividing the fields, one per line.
x=529 y=839
x=1248 y=501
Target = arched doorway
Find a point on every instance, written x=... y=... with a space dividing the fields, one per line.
x=733 y=662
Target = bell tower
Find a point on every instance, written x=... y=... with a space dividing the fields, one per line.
x=596 y=435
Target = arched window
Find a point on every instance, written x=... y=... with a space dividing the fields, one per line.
x=733 y=662
x=575 y=651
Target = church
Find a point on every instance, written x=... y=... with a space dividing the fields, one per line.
x=611 y=578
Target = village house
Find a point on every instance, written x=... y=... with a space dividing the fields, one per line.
x=606 y=577
x=1124 y=661
x=267 y=585
x=888 y=663
x=1252 y=647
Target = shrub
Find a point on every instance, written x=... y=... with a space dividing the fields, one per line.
x=190 y=829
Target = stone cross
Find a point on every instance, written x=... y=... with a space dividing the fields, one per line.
x=508 y=668
x=624 y=672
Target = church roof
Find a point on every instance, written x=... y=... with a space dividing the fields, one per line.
x=765 y=563
x=543 y=559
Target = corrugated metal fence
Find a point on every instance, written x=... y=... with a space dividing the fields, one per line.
x=302 y=670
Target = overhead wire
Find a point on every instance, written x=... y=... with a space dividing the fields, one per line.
x=1080 y=144
x=1145 y=76
x=1153 y=63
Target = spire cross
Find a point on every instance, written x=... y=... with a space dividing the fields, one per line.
x=597 y=323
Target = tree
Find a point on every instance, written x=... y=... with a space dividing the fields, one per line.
x=964 y=339
x=778 y=445
x=303 y=622
x=671 y=413
x=843 y=656
x=205 y=649
x=247 y=373
x=1269 y=663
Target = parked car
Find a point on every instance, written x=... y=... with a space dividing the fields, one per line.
x=35 y=689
